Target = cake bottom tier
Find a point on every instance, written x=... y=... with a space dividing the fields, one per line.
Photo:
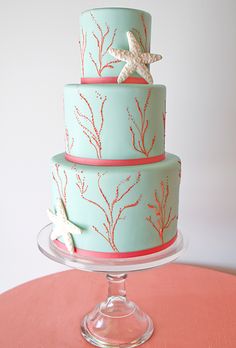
x=121 y=211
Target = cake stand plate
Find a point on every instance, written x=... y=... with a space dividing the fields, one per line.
x=116 y=322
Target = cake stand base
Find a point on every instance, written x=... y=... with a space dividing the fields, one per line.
x=116 y=322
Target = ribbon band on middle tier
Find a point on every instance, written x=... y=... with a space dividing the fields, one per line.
x=114 y=162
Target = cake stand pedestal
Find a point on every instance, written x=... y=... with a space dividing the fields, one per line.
x=116 y=322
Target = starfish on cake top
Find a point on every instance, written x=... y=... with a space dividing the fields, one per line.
x=62 y=226
x=135 y=58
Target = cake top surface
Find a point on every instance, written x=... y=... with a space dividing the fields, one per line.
x=115 y=9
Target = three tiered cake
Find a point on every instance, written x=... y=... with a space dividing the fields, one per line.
x=115 y=190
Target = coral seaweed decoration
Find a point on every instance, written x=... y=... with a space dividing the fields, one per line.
x=112 y=210
x=101 y=37
x=139 y=131
x=87 y=122
x=137 y=33
x=82 y=45
x=61 y=181
x=164 y=216
x=69 y=143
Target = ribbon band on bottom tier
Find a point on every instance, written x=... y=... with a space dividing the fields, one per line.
x=112 y=255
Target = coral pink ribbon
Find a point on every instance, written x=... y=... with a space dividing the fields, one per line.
x=112 y=255
x=96 y=80
x=114 y=162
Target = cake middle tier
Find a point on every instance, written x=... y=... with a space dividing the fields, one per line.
x=114 y=122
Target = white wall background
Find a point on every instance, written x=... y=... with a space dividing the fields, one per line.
x=39 y=53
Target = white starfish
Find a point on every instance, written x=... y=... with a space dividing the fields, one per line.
x=62 y=226
x=135 y=58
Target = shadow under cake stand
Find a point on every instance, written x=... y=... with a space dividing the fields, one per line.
x=116 y=322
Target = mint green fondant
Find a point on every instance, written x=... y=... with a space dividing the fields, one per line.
x=78 y=185
x=126 y=208
x=124 y=111
x=107 y=27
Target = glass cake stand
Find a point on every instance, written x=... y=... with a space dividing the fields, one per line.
x=116 y=322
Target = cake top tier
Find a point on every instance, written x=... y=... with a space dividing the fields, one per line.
x=104 y=33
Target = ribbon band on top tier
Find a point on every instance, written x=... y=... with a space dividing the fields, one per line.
x=114 y=162
x=112 y=79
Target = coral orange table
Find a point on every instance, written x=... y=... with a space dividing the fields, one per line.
x=190 y=307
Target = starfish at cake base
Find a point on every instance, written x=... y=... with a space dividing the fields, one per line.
x=62 y=226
